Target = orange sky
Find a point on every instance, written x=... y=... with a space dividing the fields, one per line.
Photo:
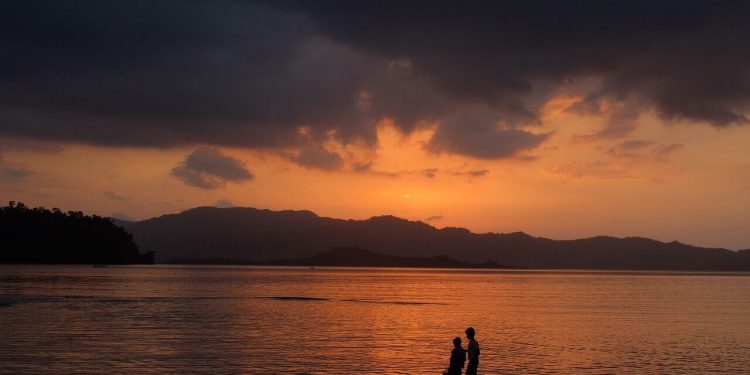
x=683 y=182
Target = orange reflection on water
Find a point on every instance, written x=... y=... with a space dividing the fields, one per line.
x=167 y=319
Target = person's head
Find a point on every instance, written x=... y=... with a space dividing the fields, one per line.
x=457 y=342
x=470 y=332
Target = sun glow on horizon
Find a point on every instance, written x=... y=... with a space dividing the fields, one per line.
x=657 y=185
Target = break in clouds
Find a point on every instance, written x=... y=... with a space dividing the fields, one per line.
x=250 y=74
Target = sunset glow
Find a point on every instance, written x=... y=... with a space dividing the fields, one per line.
x=375 y=187
x=674 y=181
x=563 y=148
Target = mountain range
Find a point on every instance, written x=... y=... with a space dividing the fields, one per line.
x=256 y=235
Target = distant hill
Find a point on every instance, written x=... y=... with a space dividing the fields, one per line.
x=38 y=235
x=262 y=235
x=352 y=257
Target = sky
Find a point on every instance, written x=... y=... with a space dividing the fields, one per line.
x=559 y=119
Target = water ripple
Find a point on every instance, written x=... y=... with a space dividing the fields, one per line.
x=165 y=320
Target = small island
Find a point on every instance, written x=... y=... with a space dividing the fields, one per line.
x=39 y=235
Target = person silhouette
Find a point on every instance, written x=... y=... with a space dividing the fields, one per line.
x=458 y=358
x=473 y=351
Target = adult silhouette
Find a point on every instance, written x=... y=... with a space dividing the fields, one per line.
x=473 y=351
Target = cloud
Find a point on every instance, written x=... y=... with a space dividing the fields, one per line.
x=433 y=172
x=209 y=168
x=485 y=143
x=362 y=166
x=645 y=151
x=249 y=74
x=597 y=169
x=13 y=172
x=478 y=173
x=667 y=153
x=629 y=148
x=434 y=218
x=197 y=179
x=622 y=118
x=318 y=157
x=470 y=173
x=223 y=203
x=479 y=134
x=430 y=172
x=633 y=144
x=627 y=159
x=684 y=60
x=27 y=145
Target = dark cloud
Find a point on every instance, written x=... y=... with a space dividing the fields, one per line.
x=318 y=157
x=14 y=174
x=478 y=134
x=634 y=144
x=248 y=74
x=27 y=145
x=667 y=153
x=362 y=166
x=478 y=173
x=196 y=179
x=430 y=172
x=470 y=173
x=171 y=72
x=630 y=148
x=620 y=123
x=434 y=218
x=685 y=59
x=209 y=168
x=645 y=151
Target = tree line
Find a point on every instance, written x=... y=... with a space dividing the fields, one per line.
x=40 y=235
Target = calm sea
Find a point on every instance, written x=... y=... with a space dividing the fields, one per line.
x=212 y=319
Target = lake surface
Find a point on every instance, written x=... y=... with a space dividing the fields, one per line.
x=213 y=319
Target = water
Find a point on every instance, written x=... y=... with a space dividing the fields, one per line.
x=208 y=319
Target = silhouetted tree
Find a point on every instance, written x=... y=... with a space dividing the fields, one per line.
x=39 y=235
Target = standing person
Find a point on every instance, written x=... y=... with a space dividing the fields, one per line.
x=473 y=350
x=458 y=358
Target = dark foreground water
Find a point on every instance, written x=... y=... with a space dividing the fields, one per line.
x=204 y=319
